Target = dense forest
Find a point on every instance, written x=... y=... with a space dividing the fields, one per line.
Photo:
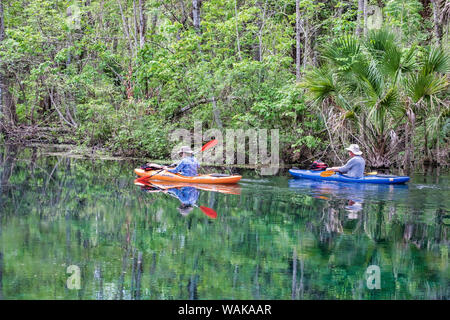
x=120 y=75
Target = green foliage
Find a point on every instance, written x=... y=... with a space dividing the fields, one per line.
x=320 y=83
x=89 y=73
x=406 y=16
x=374 y=79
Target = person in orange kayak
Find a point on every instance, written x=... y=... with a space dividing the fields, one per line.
x=188 y=166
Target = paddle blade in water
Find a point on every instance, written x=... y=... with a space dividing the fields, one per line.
x=210 y=144
x=209 y=212
x=327 y=173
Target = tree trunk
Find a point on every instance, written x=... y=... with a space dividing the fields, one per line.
x=142 y=23
x=154 y=23
x=360 y=17
x=9 y=105
x=411 y=133
x=237 y=30
x=89 y=13
x=365 y=17
x=425 y=132
x=437 y=21
x=216 y=113
x=307 y=43
x=1 y=272
x=126 y=29
x=294 y=274
x=2 y=36
x=139 y=277
x=437 y=157
x=136 y=25
x=438 y=151
x=298 y=39
x=260 y=33
x=196 y=14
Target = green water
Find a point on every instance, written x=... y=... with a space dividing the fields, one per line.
x=278 y=239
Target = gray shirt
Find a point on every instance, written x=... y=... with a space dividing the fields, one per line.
x=354 y=168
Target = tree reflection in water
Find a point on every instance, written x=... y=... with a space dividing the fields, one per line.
x=272 y=239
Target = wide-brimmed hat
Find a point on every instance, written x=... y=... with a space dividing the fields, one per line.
x=184 y=209
x=353 y=208
x=186 y=149
x=355 y=149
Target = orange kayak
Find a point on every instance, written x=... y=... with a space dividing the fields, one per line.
x=164 y=185
x=175 y=177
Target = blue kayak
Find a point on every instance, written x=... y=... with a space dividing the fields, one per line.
x=379 y=179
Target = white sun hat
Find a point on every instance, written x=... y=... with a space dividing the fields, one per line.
x=355 y=149
x=186 y=149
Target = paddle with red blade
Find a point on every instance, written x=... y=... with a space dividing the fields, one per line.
x=208 y=211
x=208 y=145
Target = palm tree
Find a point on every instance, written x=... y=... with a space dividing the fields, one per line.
x=364 y=92
x=423 y=88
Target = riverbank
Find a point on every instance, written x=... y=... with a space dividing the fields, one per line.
x=87 y=153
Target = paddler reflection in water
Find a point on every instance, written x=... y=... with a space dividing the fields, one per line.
x=188 y=166
x=353 y=208
x=354 y=168
x=188 y=197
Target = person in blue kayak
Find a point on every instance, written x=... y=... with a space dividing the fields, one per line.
x=354 y=168
x=188 y=166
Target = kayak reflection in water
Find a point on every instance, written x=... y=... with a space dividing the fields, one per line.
x=188 y=197
x=353 y=193
x=186 y=194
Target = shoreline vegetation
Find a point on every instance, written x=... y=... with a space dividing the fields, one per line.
x=113 y=79
x=36 y=150
x=86 y=153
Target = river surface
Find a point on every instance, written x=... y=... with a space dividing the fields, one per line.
x=82 y=229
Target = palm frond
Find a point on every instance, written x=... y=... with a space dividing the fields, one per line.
x=436 y=60
x=391 y=61
x=409 y=63
x=320 y=83
x=379 y=41
x=388 y=103
x=395 y=62
x=369 y=78
x=423 y=86
x=342 y=52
